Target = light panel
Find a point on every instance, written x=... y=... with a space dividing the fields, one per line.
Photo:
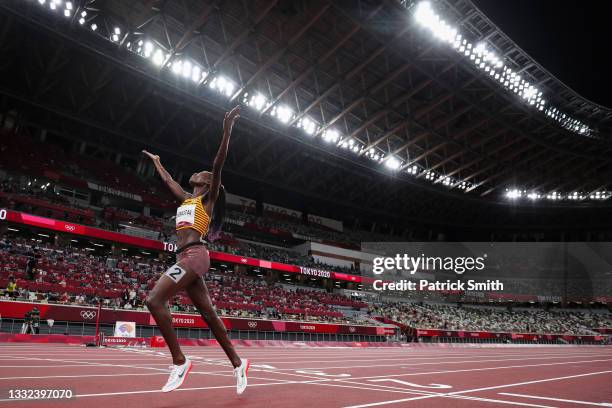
x=309 y=126
x=222 y=85
x=256 y=101
x=557 y=196
x=283 y=113
x=331 y=135
x=485 y=59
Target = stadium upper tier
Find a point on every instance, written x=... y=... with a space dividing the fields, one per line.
x=51 y=174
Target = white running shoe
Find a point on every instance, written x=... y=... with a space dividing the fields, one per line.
x=177 y=376
x=241 y=374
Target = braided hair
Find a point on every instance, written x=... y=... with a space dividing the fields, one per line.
x=218 y=216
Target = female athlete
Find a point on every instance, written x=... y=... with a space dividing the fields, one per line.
x=192 y=222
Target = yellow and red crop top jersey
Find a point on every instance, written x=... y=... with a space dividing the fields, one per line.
x=191 y=214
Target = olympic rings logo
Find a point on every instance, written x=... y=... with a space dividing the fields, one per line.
x=352 y=329
x=88 y=314
x=252 y=325
x=69 y=227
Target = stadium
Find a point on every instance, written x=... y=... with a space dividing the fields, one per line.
x=352 y=203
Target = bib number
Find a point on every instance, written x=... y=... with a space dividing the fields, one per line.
x=175 y=273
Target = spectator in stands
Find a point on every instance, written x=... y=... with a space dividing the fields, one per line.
x=5 y=244
x=31 y=266
x=11 y=288
x=35 y=314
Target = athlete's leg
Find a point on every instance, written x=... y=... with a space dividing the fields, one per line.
x=173 y=280
x=198 y=292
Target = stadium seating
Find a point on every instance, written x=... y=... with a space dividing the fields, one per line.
x=69 y=275
x=493 y=319
x=64 y=273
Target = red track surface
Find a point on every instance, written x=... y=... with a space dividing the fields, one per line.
x=315 y=377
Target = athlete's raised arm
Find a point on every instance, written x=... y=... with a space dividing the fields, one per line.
x=215 y=184
x=175 y=187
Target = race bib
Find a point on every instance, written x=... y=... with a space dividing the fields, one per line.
x=175 y=273
x=185 y=215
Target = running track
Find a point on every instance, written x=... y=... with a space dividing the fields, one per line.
x=316 y=377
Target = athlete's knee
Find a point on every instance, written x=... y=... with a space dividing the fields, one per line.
x=153 y=302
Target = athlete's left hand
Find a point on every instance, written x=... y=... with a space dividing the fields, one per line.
x=230 y=119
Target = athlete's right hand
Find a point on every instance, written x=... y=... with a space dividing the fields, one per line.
x=152 y=156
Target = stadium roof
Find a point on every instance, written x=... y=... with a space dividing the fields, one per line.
x=354 y=102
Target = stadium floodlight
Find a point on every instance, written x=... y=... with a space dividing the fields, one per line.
x=41 y=1
x=447 y=181
x=158 y=57
x=486 y=60
x=196 y=73
x=177 y=66
x=534 y=196
x=187 y=69
x=52 y=5
x=81 y=21
x=283 y=113
x=600 y=195
x=331 y=135
x=575 y=196
x=222 y=85
x=256 y=101
x=116 y=34
x=464 y=185
x=94 y=27
x=309 y=126
x=430 y=175
x=413 y=170
x=148 y=49
x=514 y=194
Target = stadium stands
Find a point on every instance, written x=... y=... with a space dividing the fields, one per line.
x=66 y=274
x=493 y=319
x=70 y=275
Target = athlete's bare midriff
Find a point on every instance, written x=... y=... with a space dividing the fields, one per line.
x=186 y=236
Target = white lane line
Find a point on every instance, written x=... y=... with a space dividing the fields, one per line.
x=480 y=369
x=498 y=401
x=428 y=394
x=408 y=364
x=478 y=389
x=45 y=366
x=217 y=373
x=442 y=359
x=81 y=376
x=599 y=404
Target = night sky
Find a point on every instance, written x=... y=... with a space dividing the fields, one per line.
x=570 y=39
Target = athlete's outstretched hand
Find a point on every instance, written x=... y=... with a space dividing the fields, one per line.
x=151 y=156
x=230 y=119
